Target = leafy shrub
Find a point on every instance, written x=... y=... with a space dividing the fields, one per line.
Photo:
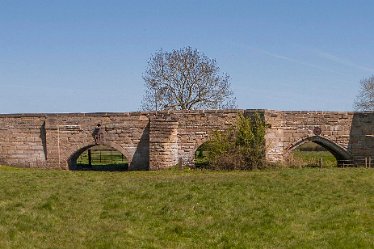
x=242 y=147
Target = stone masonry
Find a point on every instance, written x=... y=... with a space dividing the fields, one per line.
x=159 y=140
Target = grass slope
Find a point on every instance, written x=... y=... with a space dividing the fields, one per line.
x=299 y=208
x=312 y=158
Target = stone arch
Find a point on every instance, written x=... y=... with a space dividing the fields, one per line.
x=338 y=151
x=199 y=144
x=194 y=155
x=190 y=155
x=189 y=142
x=73 y=156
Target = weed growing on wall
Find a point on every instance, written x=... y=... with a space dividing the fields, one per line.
x=242 y=147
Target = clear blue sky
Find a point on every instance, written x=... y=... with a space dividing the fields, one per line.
x=89 y=56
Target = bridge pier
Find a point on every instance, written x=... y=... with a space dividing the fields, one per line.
x=163 y=142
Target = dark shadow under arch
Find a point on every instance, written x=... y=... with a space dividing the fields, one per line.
x=73 y=165
x=342 y=155
x=200 y=159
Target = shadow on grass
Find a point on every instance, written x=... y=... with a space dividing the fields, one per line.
x=102 y=167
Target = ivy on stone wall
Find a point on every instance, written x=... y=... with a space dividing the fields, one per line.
x=242 y=147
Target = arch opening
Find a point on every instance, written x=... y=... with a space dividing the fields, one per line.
x=98 y=158
x=201 y=156
x=318 y=151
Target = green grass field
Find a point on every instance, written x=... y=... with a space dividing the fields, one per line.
x=311 y=154
x=102 y=159
x=314 y=158
x=290 y=208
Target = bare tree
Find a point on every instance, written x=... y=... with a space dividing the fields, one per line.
x=185 y=79
x=365 y=99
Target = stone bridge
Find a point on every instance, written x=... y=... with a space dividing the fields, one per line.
x=159 y=140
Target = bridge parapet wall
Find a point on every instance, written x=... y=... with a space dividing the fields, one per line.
x=159 y=140
x=176 y=136
x=347 y=130
x=196 y=127
x=361 y=137
x=128 y=133
x=22 y=140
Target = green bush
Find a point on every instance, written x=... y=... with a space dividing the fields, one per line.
x=242 y=147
